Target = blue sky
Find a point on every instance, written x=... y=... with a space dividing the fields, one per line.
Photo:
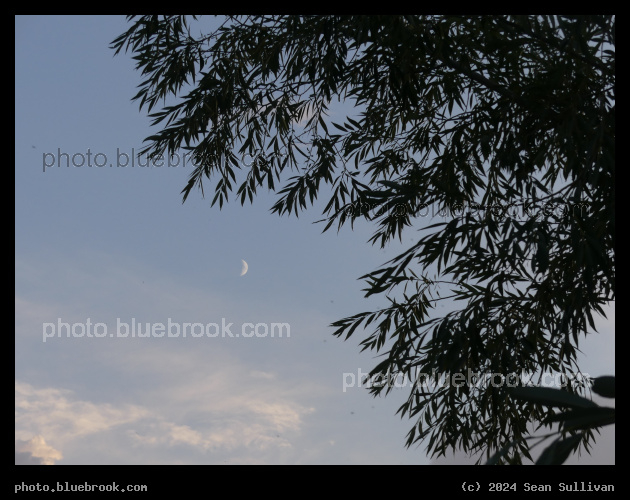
x=112 y=244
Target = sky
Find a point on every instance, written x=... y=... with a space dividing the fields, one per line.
x=104 y=251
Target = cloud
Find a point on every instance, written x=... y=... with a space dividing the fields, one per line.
x=212 y=403
x=62 y=418
x=55 y=412
x=213 y=419
x=35 y=451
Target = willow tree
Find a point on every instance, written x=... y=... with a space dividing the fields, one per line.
x=504 y=124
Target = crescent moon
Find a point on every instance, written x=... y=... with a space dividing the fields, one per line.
x=244 y=268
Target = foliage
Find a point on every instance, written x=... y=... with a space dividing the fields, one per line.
x=505 y=124
x=582 y=415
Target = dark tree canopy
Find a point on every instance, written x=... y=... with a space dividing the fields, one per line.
x=506 y=124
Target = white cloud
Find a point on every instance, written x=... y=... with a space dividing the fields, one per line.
x=35 y=451
x=220 y=413
x=54 y=412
